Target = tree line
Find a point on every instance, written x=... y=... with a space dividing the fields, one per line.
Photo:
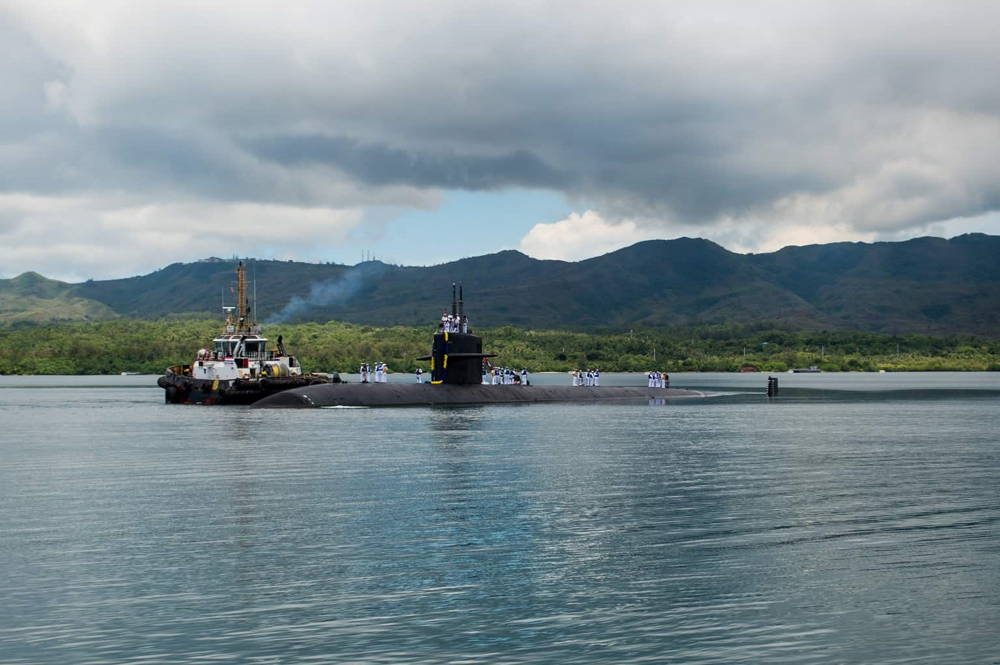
x=110 y=347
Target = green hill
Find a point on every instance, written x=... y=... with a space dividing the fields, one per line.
x=924 y=285
x=32 y=298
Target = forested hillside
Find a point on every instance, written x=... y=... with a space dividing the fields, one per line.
x=111 y=347
x=924 y=285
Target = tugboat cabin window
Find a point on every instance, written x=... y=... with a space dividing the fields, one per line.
x=225 y=347
x=256 y=347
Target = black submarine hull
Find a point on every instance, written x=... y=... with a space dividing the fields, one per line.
x=425 y=394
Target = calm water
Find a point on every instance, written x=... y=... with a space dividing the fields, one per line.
x=854 y=519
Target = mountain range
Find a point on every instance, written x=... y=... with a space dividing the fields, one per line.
x=924 y=285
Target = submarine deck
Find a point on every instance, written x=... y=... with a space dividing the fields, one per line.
x=426 y=394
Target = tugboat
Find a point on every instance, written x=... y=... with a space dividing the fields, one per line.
x=238 y=368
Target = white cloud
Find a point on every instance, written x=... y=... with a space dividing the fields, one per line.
x=77 y=238
x=744 y=123
x=581 y=236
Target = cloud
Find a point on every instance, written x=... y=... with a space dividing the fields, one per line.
x=381 y=164
x=723 y=118
x=79 y=238
x=581 y=236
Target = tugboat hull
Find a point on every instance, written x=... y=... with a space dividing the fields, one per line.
x=180 y=389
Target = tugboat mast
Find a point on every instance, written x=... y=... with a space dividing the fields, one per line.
x=241 y=295
x=243 y=323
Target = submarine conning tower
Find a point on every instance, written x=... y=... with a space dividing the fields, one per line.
x=456 y=354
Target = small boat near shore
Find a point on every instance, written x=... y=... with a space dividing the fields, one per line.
x=238 y=368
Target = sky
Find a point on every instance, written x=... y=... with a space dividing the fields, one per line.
x=138 y=134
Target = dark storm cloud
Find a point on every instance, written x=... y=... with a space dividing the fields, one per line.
x=874 y=117
x=23 y=71
x=379 y=164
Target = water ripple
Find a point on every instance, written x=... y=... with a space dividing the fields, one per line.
x=711 y=532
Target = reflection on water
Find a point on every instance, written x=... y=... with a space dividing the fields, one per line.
x=809 y=528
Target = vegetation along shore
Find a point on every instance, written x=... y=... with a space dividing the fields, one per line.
x=110 y=347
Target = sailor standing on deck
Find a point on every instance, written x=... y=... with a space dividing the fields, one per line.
x=597 y=378
x=364 y=372
x=420 y=377
x=524 y=376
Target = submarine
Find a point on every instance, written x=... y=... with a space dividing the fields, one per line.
x=456 y=361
